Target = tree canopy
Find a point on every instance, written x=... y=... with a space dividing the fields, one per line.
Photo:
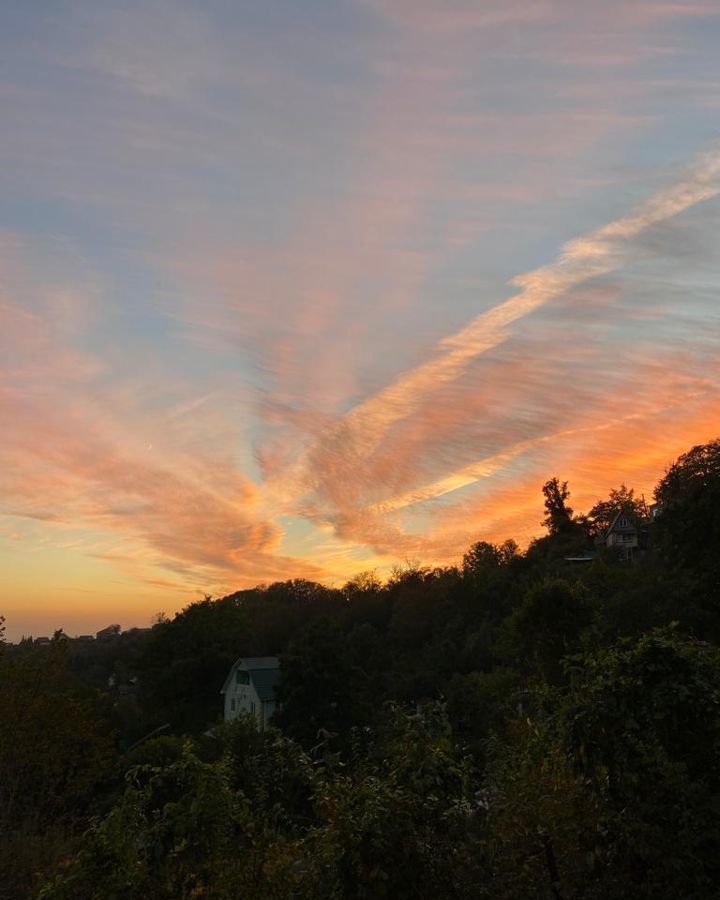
x=541 y=724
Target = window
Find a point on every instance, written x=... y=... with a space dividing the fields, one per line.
x=242 y=677
x=252 y=707
x=232 y=704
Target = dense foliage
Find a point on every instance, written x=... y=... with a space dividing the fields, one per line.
x=537 y=724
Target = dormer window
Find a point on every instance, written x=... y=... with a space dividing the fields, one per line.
x=242 y=677
x=624 y=523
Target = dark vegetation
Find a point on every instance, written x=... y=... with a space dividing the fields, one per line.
x=519 y=727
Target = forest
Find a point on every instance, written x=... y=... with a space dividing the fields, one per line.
x=541 y=723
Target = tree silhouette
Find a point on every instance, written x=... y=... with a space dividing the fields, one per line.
x=558 y=518
x=621 y=499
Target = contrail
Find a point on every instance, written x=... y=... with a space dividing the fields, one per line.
x=488 y=466
x=595 y=253
x=484 y=468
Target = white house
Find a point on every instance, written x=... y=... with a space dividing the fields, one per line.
x=250 y=688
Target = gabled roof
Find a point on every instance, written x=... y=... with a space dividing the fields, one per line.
x=615 y=526
x=251 y=663
x=264 y=672
x=264 y=681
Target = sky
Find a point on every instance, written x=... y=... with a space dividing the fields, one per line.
x=304 y=288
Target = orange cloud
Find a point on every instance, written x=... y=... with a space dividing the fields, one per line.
x=302 y=375
x=604 y=447
x=77 y=454
x=592 y=255
x=386 y=453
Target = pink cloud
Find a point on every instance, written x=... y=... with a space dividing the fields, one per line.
x=443 y=438
x=498 y=385
x=75 y=454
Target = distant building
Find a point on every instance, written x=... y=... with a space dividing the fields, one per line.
x=105 y=634
x=85 y=637
x=41 y=640
x=629 y=535
x=250 y=688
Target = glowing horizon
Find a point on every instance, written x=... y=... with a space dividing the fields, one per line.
x=291 y=291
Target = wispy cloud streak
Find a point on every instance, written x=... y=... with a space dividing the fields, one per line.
x=596 y=253
x=363 y=474
x=237 y=241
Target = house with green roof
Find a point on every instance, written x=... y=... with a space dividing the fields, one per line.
x=250 y=688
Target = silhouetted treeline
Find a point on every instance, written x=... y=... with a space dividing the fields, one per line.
x=528 y=724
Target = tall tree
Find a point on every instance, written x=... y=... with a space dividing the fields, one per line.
x=688 y=526
x=323 y=686
x=687 y=532
x=483 y=556
x=185 y=661
x=642 y=722
x=620 y=500
x=558 y=515
x=551 y=622
x=55 y=754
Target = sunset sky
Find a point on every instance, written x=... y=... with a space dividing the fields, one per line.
x=301 y=288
